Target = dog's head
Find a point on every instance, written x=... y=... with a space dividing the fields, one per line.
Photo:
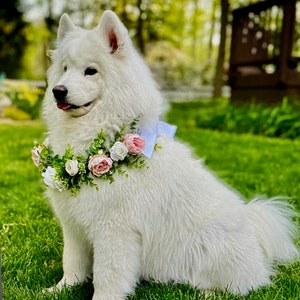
x=77 y=75
x=97 y=66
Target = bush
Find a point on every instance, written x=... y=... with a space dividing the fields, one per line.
x=15 y=114
x=282 y=120
x=27 y=98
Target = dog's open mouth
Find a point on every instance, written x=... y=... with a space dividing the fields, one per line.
x=68 y=106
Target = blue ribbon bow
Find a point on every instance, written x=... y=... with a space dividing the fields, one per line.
x=150 y=135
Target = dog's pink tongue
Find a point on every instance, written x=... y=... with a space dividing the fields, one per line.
x=63 y=106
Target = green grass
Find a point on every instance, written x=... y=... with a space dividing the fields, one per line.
x=31 y=240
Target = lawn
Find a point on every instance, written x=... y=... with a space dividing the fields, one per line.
x=31 y=240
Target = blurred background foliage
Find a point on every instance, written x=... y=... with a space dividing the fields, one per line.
x=281 y=120
x=13 y=38
x=26 y=100
x=178 y=38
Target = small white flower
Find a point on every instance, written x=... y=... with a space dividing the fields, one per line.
x=50 y=180
x=71 y=167
x=118 y=151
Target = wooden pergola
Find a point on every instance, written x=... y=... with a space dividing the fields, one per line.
x=265 y=51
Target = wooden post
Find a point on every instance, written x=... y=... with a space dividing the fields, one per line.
x=286 y=43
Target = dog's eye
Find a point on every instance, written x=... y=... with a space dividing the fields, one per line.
x=65 y=68
x=90 y=71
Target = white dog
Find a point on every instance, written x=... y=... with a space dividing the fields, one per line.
x=132 y=202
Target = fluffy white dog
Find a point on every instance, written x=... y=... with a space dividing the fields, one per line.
x=127 y=213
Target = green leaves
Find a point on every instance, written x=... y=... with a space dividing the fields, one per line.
x=97 y=144
x=273 y=121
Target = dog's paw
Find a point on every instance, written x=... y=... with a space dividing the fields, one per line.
x=106 y=296
x=50 y=290
x=62 y=284
x=208 y=294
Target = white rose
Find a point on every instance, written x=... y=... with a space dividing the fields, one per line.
x=71 y=167
x=118 y=151
x=49 y=179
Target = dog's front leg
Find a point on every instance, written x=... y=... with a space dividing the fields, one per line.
x=117 y=255
x=77 y=256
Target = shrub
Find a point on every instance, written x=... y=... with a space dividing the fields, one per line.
x=27 y=98
x=282 y=120
x=15 y=114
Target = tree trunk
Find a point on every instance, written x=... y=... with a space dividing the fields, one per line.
x=211 y=34
x=140 y=28
x=221 y=53
x=194 y=31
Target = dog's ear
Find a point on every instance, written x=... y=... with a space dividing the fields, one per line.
x=113 y=30
x=65 y=25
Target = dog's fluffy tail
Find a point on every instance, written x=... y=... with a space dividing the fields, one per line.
x=272 y=222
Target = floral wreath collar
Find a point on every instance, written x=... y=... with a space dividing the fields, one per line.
x=129 y=149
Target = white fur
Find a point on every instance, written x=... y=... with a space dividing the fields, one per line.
x=172 y=221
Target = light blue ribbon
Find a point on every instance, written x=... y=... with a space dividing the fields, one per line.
x=150 y=135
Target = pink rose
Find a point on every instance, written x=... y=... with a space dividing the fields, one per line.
x=99 y=164
x=35 y=155
x=134 y=143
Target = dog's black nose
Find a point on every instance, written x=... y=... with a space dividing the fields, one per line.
x=60 y=92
